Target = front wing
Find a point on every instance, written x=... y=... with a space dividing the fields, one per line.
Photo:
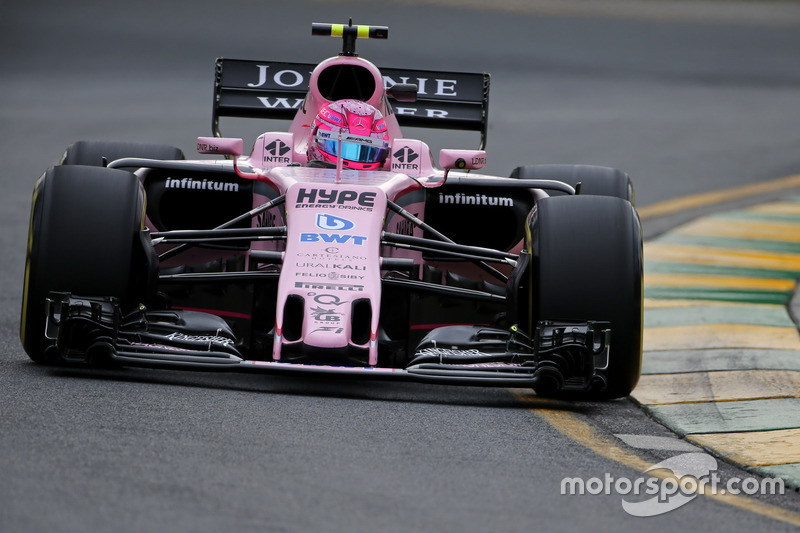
x=566 y=356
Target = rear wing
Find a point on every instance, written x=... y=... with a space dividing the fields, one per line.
x=276 y=90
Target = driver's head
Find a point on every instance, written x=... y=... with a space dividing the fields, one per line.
x=364 y=136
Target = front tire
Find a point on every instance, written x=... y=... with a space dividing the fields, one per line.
x=594 y=180
x=100 y=153
x=587 y=265
x=84 y=238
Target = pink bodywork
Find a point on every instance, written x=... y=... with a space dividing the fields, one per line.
x=334 y=217
x=333 y=250
x=301 y=125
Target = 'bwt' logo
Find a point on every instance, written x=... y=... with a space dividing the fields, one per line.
x=334 y=223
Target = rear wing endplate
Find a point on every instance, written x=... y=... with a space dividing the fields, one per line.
x=276 y=90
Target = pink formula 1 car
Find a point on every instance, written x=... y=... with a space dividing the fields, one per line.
x=338 y=247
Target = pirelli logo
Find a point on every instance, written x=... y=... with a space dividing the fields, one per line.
x=328 y=286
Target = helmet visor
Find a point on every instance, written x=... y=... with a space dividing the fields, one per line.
x=353 y=147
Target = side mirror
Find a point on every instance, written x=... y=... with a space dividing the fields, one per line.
x=225 y=146
x=462 y=159
x=220 y=146
x=459 y=160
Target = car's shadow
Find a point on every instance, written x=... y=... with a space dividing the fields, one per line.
x=316 y=386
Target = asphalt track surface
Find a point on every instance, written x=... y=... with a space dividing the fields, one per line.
x=685 y=104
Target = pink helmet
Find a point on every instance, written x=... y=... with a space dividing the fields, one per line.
x=364 y=136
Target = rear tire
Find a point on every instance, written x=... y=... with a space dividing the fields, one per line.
x=594 y=180
x=587 y=265
x=95 y=153
x=84 y=238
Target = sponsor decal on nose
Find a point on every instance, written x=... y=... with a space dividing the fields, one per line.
x=334 y=223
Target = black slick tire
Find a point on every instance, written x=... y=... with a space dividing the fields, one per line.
x=100 y=153
x=84 y=238
x=594 y=180
x=587 y=265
